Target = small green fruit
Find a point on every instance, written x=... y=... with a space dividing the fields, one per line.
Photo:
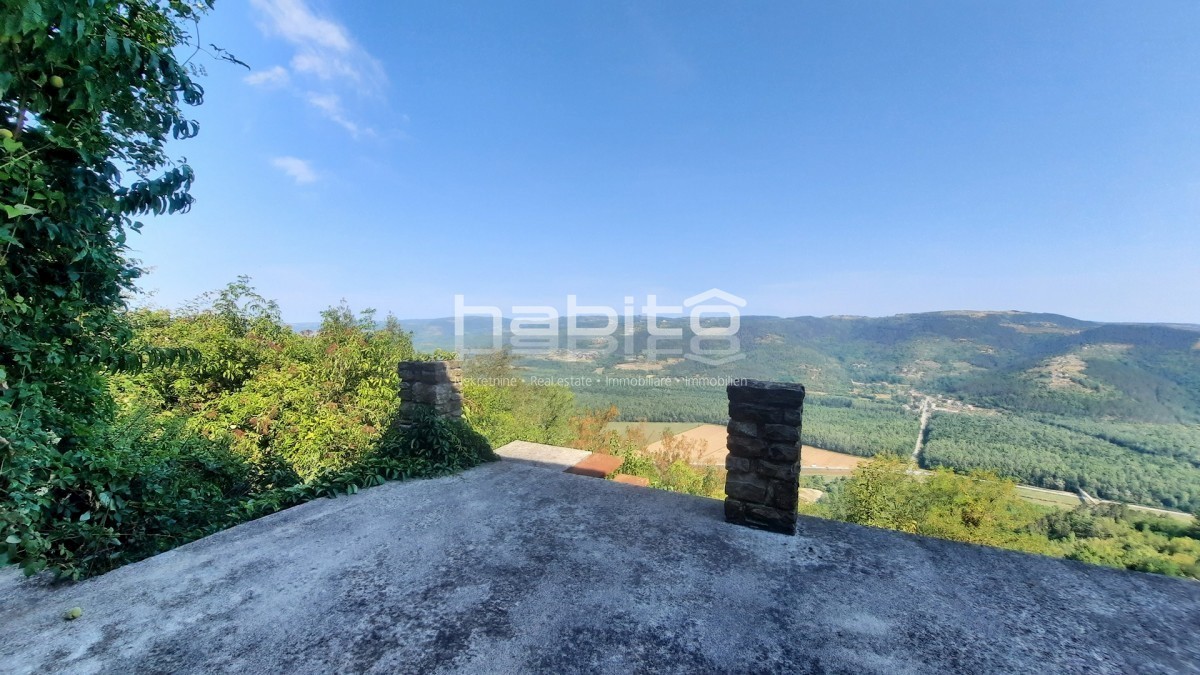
x=56 y=82
x=5 y=133
x=73 y=613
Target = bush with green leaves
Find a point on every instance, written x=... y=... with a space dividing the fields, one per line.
x=430 y=445
x=155 y=485
x=980 y=508
x=319 y=402
x=504 y=407
x=445 y=443
x=123 y=434
x=257 y=418
x=89 y=90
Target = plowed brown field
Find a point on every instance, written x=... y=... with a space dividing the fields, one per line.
x=713 y=452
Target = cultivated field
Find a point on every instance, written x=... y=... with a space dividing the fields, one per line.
x=821 y=462
x=1057 y=498
x=654 y=429
x=712 y=436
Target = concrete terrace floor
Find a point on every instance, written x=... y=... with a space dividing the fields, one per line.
x=512 y=567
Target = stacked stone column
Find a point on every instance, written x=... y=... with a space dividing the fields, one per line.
x=764 y=454
x=436 y=384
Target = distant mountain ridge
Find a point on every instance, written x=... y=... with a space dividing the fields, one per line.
x=1056 y=402
x=1021 y=361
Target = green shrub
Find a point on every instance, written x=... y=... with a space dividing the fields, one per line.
x=444 y=443
x=159 y=485
x=155 y=486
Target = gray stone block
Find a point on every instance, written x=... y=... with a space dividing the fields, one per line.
x=430 y=383
x=764 y=433
x=748 y=429
x=773 y=519
x=782 y=495
x=747 y=487
x=735 y=463
x=781 y=394
x=760 y=516
x=742 y=446
x=757 y=414
x=782 y=452
x=780 y=432
x=787 y=471
x=735 y=511
x=440 y=394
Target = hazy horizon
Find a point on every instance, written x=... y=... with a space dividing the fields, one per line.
x=507 y=317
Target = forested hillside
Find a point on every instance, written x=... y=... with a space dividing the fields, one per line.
x=1016 y=361
x=1049 y=400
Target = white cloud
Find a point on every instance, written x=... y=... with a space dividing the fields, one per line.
x=327 y=67
x=330 y=105
x=324 y=48
x=296 y=23
x=271 y=77
x=300 y=170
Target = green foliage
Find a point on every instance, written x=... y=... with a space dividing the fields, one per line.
x=666 y=465
x=980 y=508
x=1178 y=442
x=66 y=209
x=865 y=429
x=63 y=269
x=881 y=494
x=154 y=486
x=259 y=418
x=842 y=424
x=832 y=401
x=430 y=446
x=505 y=408
x=1057 y=456
x=444 y=443
x=1131 y=373
x=319 y=402
x=658 y=403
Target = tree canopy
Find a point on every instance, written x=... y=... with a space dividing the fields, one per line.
x=90 y=93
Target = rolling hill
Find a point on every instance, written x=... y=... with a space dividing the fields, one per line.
x=1017 y=361
x=1053 y=401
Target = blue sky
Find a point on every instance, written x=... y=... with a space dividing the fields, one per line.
x=811 y=157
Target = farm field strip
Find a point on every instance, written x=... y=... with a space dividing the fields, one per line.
x=821 y=462
x=714 y=452
x=653 y=429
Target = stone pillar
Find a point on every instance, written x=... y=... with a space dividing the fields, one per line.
x=437 y=384
x=764 y=454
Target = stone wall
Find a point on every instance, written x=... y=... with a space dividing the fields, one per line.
x=764 y=454
x=437 y=384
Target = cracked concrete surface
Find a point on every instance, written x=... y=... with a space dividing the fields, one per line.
x=514 y=568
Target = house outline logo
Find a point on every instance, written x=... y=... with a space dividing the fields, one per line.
x=730 y=308
x=534 y=329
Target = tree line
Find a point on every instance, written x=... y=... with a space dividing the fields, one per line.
x=1062 y=456
x=980 y=507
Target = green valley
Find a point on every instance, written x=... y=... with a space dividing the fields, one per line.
x=1051 y=401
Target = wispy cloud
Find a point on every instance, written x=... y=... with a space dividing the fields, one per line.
x=298 y=169
x=330 y=105
x=324 y=48
x=327 y=62
x=271 y=77
x=297 y=23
